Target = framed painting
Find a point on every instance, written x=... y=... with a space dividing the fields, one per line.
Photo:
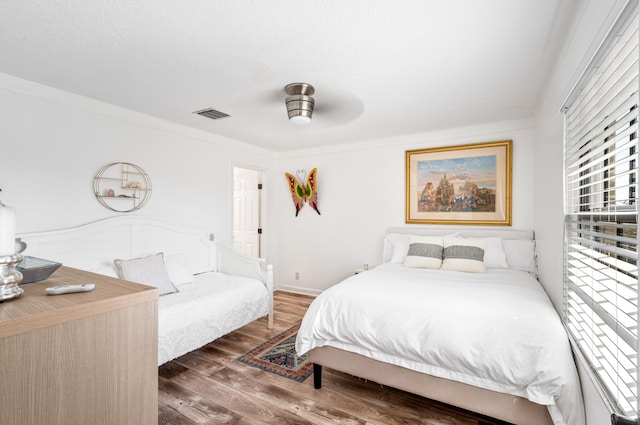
x=466 y=184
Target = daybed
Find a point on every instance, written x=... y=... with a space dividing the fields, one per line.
x=207 y=290
x=488 y=341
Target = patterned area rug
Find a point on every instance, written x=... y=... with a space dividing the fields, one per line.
x=278 y=355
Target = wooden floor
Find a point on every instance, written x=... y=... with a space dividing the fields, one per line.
x=209 y=386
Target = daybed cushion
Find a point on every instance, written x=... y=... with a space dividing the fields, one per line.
x=148 y=270
x=210 y=307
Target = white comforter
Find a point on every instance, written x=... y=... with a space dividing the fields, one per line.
x=210 y=307
x=495 y=330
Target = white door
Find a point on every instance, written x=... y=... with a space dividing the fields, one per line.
x=246 y=211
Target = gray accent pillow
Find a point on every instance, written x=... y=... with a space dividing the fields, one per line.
x=464 y=255
x=424 y=252
x=465 y=252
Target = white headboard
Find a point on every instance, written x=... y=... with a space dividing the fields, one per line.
x=96 y=244
x=518 y=245
x=466 y=232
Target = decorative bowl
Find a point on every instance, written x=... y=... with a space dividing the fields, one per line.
x=34 y=269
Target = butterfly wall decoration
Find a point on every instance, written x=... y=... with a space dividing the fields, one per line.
x=303 y=193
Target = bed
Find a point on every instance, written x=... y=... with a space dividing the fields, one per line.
x=206 y=289
x=488 y=341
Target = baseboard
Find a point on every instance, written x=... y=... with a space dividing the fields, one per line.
x=298 y=290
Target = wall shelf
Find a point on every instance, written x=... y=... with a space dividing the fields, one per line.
x=122 y=181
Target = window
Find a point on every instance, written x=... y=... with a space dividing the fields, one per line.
x=601 y=216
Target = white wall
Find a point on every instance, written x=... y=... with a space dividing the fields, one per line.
x=361 y=191
x=593 y=19
x=53 y=143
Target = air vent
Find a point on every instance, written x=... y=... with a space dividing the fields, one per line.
x=211 y=113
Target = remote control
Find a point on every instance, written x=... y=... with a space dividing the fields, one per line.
x=67 y=289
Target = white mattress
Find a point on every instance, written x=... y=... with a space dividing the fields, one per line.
x=496 y=330
x=202 y=311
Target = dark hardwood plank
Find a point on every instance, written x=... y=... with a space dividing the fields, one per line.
x=208 y=386
x=244 y=404
x=192 y=406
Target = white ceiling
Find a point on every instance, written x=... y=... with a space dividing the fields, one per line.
x=380 y=68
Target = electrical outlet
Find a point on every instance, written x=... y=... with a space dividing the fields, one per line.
x=297 y=276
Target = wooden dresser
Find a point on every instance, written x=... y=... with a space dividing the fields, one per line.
x=80 y=359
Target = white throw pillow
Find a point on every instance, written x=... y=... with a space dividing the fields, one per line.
x=396 y=245
x=464 y=255
x=108 y=269
x=148 y=271
x=521 y=254
x=494 y=256
x=395 y=248
x=424 y=252
x=177 y=266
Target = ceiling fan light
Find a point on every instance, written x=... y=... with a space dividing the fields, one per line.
x=299 y=102
x=300 y=119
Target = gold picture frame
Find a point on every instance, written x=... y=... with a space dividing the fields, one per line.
x=477 y=189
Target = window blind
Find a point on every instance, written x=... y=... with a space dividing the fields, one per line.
x=600 y=308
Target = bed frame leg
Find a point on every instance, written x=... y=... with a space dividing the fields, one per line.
x=317 y=376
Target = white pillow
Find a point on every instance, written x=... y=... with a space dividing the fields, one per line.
x=396 y=245
x=177 y=266
x=464 y=255
x=521 y=254
x=148 y=271
x=494 y=256
x=395 y=248
x=424 y=252
x=108 y=269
